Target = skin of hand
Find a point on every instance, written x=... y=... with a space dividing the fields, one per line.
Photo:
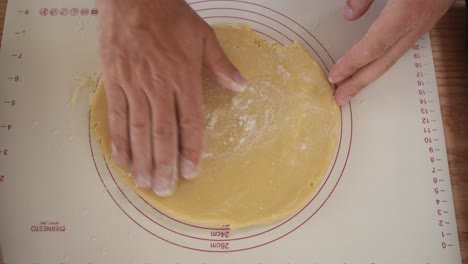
x=399 y=26
x=153 y=53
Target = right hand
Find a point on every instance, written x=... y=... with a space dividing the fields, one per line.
x=400 y=24
x=152 y=54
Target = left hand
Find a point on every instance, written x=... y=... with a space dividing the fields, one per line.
x=399 y=26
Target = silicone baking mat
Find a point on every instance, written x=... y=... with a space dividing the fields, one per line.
x=385 y=199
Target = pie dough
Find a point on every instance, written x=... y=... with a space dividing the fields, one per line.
x=267 y=149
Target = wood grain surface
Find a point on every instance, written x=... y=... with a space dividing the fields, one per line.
x=449 y=45
x=451 y=62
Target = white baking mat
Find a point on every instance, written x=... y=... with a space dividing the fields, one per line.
x=387 y=198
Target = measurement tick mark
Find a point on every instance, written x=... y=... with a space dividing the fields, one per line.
x=449 y=234
x=439 y=159
x=445 y=212
x=450 y=245
x=444 y=201
x=441 y=180
x=442 y=190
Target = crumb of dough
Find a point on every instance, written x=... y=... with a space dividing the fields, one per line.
x=86 y=81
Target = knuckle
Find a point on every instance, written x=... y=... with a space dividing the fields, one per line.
x=377 y=45
x=351 y=67
x=142 y=159
x=387 y=65
x=358 y=85
x=158 y=79
x=164 y=130
x=191 y=144
x=377 y=49
x=139 y=124
x=117 y=114
x=192 y=125
x=183 y=59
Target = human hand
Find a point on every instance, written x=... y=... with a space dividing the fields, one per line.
x=399 y=26
x=153 y=53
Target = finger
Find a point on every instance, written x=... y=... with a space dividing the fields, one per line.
x=391 y=25
x=140 y=138
x=118 y=122
x=219 y=67
x=191 y=124
x=373 y=71
x=355 y=9
x=164 y=137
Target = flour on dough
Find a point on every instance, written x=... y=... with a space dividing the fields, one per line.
x=267 y=149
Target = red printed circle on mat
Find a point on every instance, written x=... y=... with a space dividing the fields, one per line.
x=43 y=11
x=64 y=11
x=84 y=11
x=74 y=11
x=54 y=11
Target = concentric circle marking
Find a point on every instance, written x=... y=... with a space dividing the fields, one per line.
x=276 y=26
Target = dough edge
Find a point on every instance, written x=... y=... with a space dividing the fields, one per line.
x=102 y=136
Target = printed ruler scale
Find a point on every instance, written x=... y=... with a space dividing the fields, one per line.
x=434 y=140
x=386 y=199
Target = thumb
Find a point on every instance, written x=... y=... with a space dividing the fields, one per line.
x=220 y=68
x=355 y=9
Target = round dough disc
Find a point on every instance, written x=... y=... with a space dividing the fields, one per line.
x=267 y=149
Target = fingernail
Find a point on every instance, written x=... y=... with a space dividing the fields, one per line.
x=165 y=181
x=143 y=181
x=348 y=12
x=346 y=100
x=120 y=157
x=188 y=170
x=238 y=82
x=336 y=79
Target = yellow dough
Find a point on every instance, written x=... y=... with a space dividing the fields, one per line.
x=267 y=149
